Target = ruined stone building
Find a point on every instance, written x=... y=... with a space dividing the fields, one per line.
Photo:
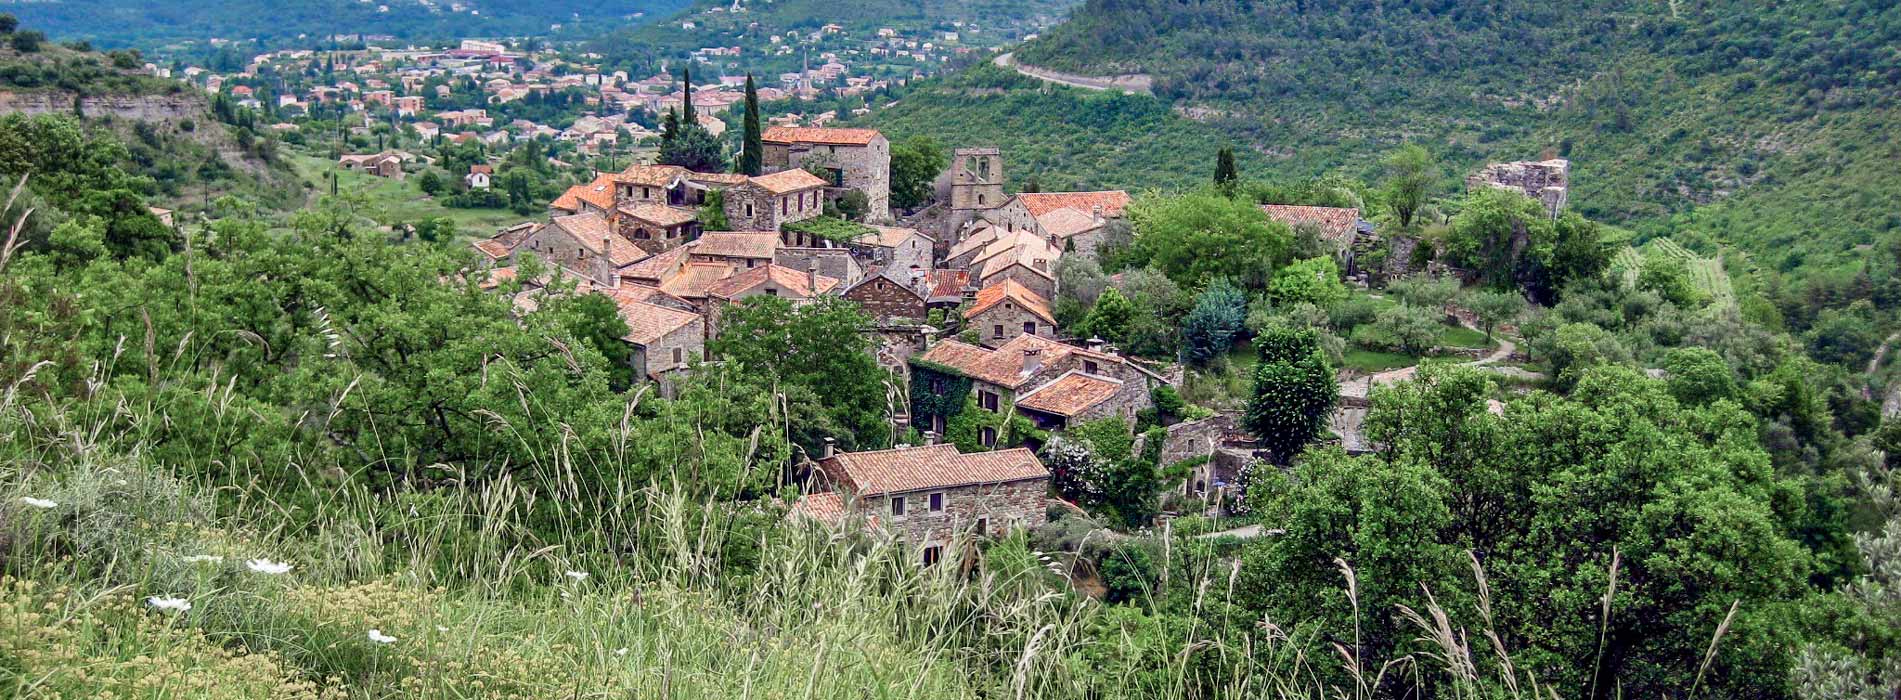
x=1547 y=181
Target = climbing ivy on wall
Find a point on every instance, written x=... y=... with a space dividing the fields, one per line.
x=946 y=402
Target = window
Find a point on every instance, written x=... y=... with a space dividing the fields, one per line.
x=749 y=210
x=933 y=554
x=983 y=527
x=996 y=331
x=785 y=206
x=937 y=502
x=988 y=400
x=1029 y=327
x=771 y=292
x=1090 y=367
x=988 y=437
x=980 y=198
x=646 y=193
x=678 y=355
x=897 y=506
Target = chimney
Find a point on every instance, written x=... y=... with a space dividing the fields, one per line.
x=811 y=276
x=930 y=438
x=1094 y=344
x=830 y=449
x=1032 y=360
x=1096 y=212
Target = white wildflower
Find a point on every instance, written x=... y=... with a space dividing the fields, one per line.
x=163 y=603
x=577 y=575
x=377 y=636
x=266 y=566
x=621 y=651
x=38 y=502
x=204 y=559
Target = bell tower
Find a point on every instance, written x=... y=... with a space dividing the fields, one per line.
x=976 y=179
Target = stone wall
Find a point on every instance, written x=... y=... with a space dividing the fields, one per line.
x=769 y=211
x=864 y=168
x=1012 y=319
x=1547 y=181
x=887 y=301
x=1002 y=507
x=135 y=107
x=1033 y=280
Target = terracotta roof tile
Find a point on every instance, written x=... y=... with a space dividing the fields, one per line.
x=716 y=178
x=693 y=280
x=828 y=507
x=794 y=281
x=1070 y=394
x=1010 y=290
x=788 y=181
x=1064 y=223
x=659 y=214
x=650 y=175
x=947 y=284
x=1004 y=365
x=647 y=323
x=758 y=246
x=888 y=236
x=590 y=229
x=598 y=194
x=1335 y=223
x=657 y=268
x=1039 y=203
x=931 y=467
x=829 y=136
x=493 y=248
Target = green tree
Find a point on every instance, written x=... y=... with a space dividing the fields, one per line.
x=1180 y=236
x=1576 y=347
x=1493 y=307
x=915 y=165
x=1111 y=317
x=1424 y=291
x=1219 y=317
x=818 y=348
x=1312 y=281
x=752 y=147
x=1408 y=182
x=1294 y=391
x=1413 y=330
x=689 y=145
x=1698 y=376
x=1493 y=232
x=1669 y=278
x=430 y=183
x=1226 y=175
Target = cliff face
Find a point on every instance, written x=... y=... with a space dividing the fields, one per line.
x=152 y=108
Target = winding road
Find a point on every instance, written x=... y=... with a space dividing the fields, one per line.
x=1134 y=83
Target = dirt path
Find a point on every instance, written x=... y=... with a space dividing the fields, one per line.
x=1505 y=349
x=1129 y=83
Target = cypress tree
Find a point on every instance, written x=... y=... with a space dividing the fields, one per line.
x=752 y=146
x=686 y=102
x=1225 y=172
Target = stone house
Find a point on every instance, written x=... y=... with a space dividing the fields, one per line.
x=839 y=263
x=893 y=296
x=928 y=496
x=1071 y=213
x=1338 y=227
x=655 y=228
x=895 y=248
x=1031 y=266
x=741 y=249
x=1000 y=378
x=583 y=243
x=852 y=159
x=597 y=195
x=666 y=340
x=766 y=280
x=768 y=202
x=1005 y=310
x=478 y=177
x=1548 y=181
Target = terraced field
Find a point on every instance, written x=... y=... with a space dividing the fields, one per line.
x=1707 y=273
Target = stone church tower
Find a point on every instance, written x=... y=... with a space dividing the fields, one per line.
x=976 y=179
x=976 y=186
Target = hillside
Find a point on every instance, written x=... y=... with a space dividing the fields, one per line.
x=118 y=23
x=1710 y=120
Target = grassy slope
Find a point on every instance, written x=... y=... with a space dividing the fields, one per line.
x=391 y=201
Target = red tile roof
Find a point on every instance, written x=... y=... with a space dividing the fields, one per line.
x=647 y=323
x=759 y=245
x=598 y=194
x=1004 y=365
x=1335 y=223
x=788 y=181
x=590 y=229
x=1070 y=394
x=1010 y=290
x=659 y=214
x=650 y=175
x=695 y=278
x=492 y=248
x=828 y=136
x=931 y=467
x=949 y=283
x=1040 y=203
x=828 y=507
x=657 y=268
x=796 y=282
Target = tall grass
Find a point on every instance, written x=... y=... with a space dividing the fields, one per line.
x=583 y=589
